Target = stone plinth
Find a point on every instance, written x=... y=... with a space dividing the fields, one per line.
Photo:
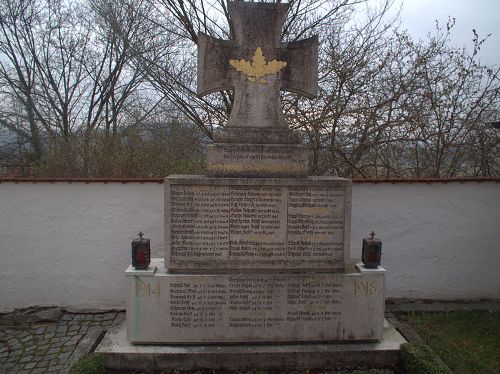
x=257 y=160
x=261 y=307
x=257 y=223
x=120 y=354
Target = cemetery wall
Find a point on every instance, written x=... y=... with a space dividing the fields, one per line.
x=68 y=244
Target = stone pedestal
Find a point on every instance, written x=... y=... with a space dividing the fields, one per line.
x=249 y=308
x=254 y=260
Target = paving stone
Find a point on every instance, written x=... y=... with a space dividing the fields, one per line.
x=83 y=317
x=70 y=343
x=23 y=334
x=42 y=364
x=111 y=315
x=57 y=344
x=60 y=329
x=38 y=370
x=16 y=346
x=26 y=358
x=67 y=349
x=64 y=356
x=73 y=328
x=14 y=354
x=40 y=330
x=49 y=315
x=7 y=366
x=51 y=328
x=31 y=365
x=54 y=362
x=51 y=356
x=54 y=350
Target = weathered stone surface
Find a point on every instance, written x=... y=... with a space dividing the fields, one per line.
x=33 y=315
x=120 y=354
x=256 y=135
x=256 y=104
x=49 y=315
x=261 y=307
x=257 y=223
x=257 y=160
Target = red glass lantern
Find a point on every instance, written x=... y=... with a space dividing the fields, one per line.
x=141 y=253
x=372 y=251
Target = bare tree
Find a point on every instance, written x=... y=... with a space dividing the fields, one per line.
x=18 y=20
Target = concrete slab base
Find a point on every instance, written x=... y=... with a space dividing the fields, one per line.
x=118 y=353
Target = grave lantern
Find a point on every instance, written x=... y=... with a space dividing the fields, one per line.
x=141 y=253
x=372 y=250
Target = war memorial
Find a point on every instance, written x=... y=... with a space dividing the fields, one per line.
x=257 y=270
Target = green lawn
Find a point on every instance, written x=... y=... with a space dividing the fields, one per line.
x=468 y=342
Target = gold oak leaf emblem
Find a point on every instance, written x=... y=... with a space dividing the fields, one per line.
x=256 y=69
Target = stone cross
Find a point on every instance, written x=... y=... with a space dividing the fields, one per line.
x=257 y=65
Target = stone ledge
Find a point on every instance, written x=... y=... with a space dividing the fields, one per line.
x=118 y=353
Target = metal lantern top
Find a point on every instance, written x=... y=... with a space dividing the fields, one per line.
x=140 y=240
x=372 y=251
x=373 y=240
x=141 y=252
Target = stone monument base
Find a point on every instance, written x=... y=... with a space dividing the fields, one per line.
x=119 y=353
x=263 y=307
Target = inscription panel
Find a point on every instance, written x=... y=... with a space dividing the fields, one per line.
x=256 y=229
x=242 y=226
x=262 y=307
x=199 y=222
x=315 y=222
x=257 y=160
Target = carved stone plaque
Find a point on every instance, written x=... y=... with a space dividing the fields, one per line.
x=257 y=223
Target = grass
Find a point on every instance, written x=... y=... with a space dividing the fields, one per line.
x=91 y=364
x=468 y=342
x=417 y=359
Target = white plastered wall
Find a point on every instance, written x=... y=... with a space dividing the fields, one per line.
x=68 y=244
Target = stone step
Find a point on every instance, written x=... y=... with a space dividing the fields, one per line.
x=120 y=354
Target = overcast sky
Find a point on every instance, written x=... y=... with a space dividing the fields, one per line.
x=419 y=16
